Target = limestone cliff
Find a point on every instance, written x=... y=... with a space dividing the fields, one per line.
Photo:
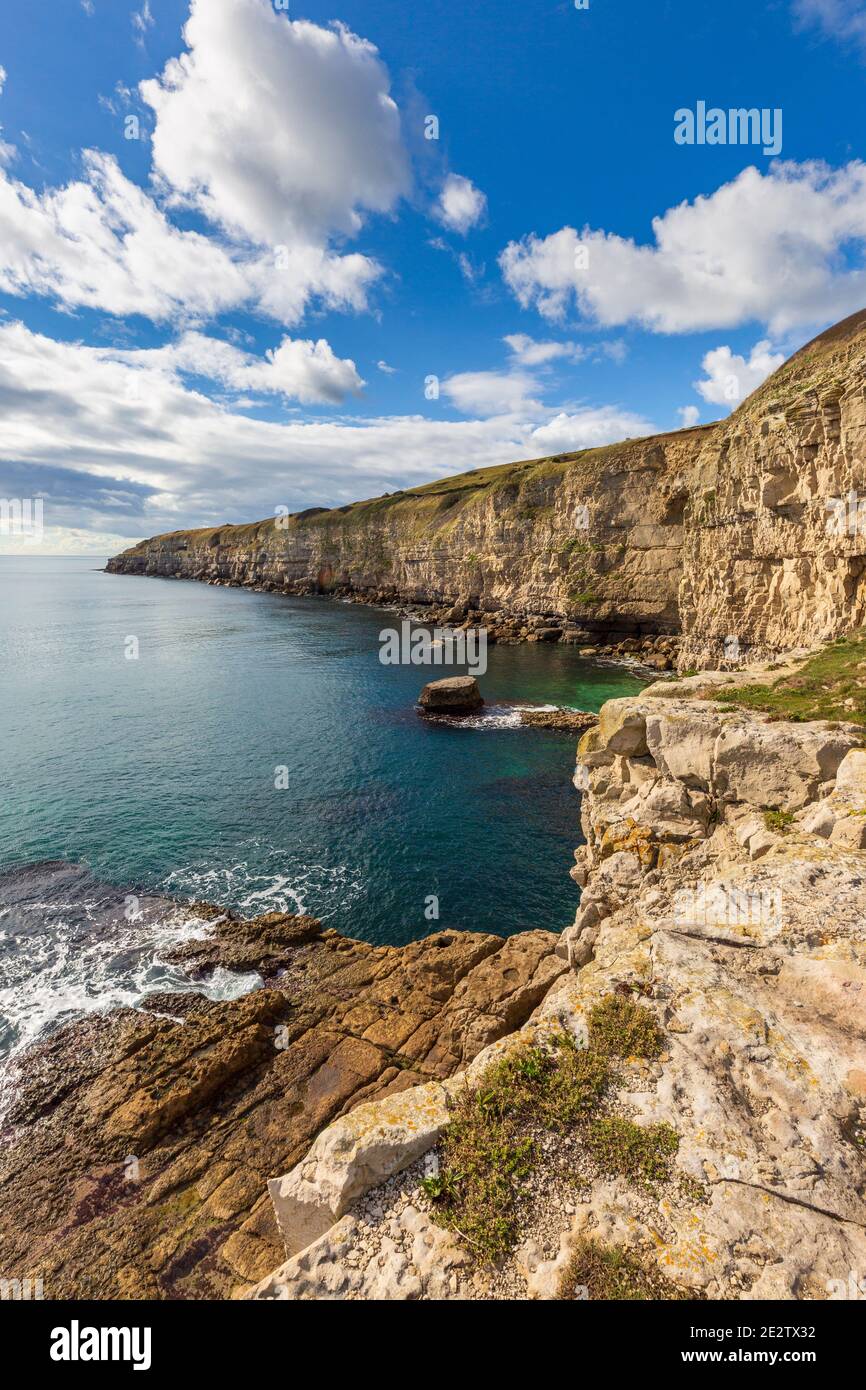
x=595 y=535
x=749 y=528
x=743 y=936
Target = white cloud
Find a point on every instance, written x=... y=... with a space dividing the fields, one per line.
x=730 y=377
x=383 y=367
x=531 y=353
x=147 y=453
x=2 y=77
x=461 y=205
x=102 y=242
x=88 y=7
x=690 y=415
x=840 y=19
x=588 y=429
x=766 y=247
x=493 y=393
x=279 y=131
x=302 y=370
x=142 y=20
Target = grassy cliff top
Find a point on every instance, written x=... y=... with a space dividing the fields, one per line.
x=829 y=685
x=444 y=495
x=821 y=369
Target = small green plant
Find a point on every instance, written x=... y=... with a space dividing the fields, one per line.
x=491 y=1146
x=829 y=685
x=610 y=1273
x=641 y=1153
x=620 y=1028
x=488 y=1148
x=484 y=1164
x=779 y=821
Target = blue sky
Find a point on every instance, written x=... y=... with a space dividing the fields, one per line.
x=242 y=307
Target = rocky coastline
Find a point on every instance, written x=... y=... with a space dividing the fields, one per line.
x=135 y=1156
x=724 y=903
x=281 y=1145
x=711 y=547
x=298 y=1142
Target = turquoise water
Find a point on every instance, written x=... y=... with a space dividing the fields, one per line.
x=158 y=773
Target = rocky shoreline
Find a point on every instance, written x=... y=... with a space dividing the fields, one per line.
x=724 y=876
x=135 y=1157
x=724 y=888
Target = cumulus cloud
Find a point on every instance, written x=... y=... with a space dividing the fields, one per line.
x=154 y=454
x=493 y=393
x=384 y=367
x=532 y=353
x=730 y=377
x=460 y=205
x=279 y=131
x=102 y=242
x=690 y=415
x=588 y=429
x=299 y=369
x=282 y=134
x=768 y=247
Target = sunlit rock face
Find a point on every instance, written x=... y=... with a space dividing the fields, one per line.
x=747 y=536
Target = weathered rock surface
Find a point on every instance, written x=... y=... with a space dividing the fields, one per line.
x=573 y=721
x=453 y=695
x=136 y=1154
x=749 y=945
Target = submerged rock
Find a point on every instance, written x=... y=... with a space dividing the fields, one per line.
x=575 y=721
x=454 y=695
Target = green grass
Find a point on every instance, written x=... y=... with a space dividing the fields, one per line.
x=620 y=1028
x=610 y=1273
x=830 y=685
x=779 y=821
x=642 y=1153
x=489 y=1149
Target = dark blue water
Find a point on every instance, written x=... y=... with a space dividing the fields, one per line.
x=159 y=773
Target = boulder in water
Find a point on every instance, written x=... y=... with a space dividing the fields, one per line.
x=454 y=695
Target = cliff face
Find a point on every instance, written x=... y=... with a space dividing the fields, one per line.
x=775 y=531
x=743 y=937
x=747 y=528
x=595 y=535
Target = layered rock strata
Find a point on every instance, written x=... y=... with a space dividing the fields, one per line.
x=748 y=537
x=136 y=1154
